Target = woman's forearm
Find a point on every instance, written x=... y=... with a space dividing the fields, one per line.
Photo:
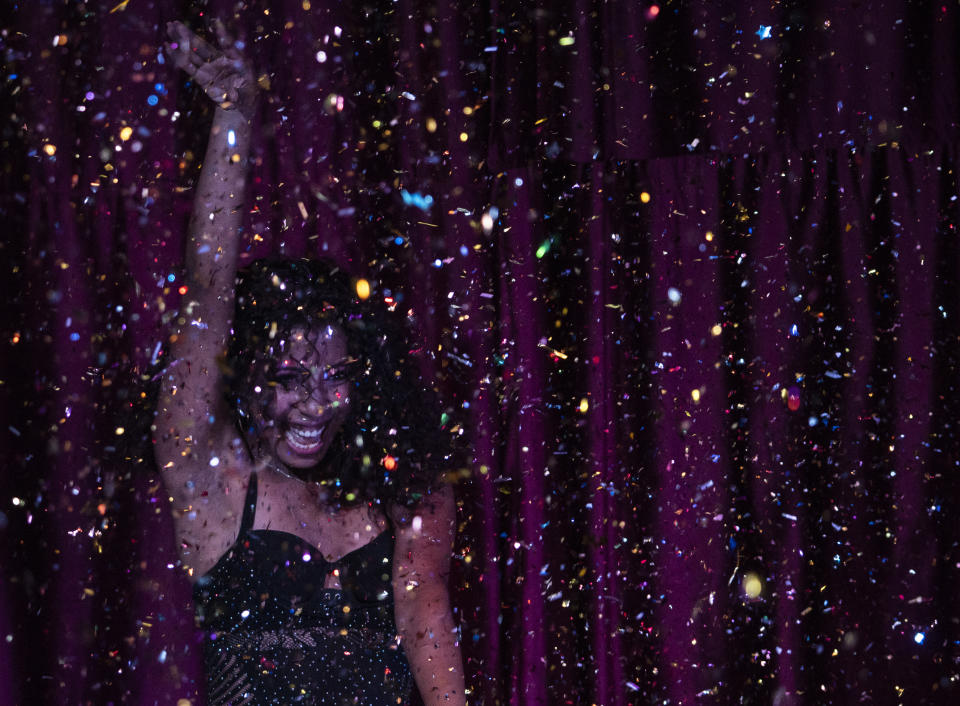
x=430 y=642
x=218 y=204
x=213 y=243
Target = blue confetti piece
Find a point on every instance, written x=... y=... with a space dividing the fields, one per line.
x=421 y=201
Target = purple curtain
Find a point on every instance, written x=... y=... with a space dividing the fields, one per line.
x=686 y=271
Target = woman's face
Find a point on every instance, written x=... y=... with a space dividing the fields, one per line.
x=303 y=391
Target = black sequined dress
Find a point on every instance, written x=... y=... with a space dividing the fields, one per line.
x=274 y=635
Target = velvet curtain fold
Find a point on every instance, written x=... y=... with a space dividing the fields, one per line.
x=685 y=274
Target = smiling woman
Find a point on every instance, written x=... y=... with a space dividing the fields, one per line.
x=311 y=364
x=304 y=466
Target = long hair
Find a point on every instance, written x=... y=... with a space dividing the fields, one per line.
x=393 y=445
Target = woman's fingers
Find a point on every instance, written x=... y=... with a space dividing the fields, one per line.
x=223 y=37
x=189 y=42
x=227 y=41
x=180 y=58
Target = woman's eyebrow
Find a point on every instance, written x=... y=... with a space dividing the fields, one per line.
x=344 y=359
x=291 y=365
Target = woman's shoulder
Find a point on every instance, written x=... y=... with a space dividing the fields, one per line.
x=424 y=545
x=438 y=505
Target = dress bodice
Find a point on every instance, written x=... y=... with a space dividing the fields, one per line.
x=274 y=634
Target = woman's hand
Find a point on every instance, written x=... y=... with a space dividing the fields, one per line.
x=224 y=74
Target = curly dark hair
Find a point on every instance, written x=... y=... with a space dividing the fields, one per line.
x=394 y=445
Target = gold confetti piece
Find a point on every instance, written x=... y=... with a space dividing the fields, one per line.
x=752 y=586
x=363 y=288
x=126 y=133
x=554 y=351
x=50 y=149
x=121 y=6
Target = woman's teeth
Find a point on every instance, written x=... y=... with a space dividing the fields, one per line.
x=304 y=440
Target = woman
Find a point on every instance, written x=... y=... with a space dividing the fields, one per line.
x=308 y=515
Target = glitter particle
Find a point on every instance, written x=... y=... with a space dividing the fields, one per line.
x=363 y=288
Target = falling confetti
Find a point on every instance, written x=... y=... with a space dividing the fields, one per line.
x=683 y=307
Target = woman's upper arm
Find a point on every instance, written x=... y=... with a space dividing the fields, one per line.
x=191 y=409
x=423 y=549
x=422 y=600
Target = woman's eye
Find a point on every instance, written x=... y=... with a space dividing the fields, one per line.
x=287 y=380
x=344 y=371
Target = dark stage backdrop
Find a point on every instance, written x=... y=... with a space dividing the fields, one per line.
x=685 y=272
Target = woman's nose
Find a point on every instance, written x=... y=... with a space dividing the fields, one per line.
x=314 y=404
x=318 y=399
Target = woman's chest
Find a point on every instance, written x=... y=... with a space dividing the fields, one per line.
x=282 y=569
x=287 y=505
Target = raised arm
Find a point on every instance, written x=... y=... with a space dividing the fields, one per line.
x=191 y=416
x=422 y=601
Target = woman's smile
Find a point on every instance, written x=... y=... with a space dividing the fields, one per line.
x=305 y=440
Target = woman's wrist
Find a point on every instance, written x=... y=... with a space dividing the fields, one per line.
x=231 y=119
x=234 y=115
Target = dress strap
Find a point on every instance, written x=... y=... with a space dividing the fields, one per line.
x=249 y=505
